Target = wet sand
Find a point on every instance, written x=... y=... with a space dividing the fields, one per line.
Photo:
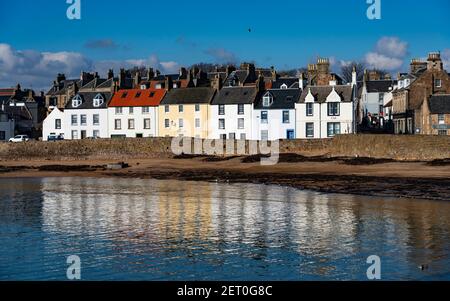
x=360 y=176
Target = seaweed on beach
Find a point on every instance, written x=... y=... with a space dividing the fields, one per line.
x=367 y=161
x=439 y=162
x=70 y=167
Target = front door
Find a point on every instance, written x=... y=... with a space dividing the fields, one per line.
x=290 y=134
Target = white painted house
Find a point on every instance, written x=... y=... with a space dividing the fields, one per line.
x=86 y=115
x=274 y=114
x=54 y=124
x=325 y=111
x=231 y=113
x=133 y=113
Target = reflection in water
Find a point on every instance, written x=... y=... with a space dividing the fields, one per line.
x=157 y=230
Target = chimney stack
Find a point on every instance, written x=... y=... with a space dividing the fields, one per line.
x=354 y=76
x=168 y=83
x=110 y=73
x=260 y=84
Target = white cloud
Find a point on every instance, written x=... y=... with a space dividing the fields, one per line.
x=389 y=54
x=392 y=47
x=446 y=59
x=383 y=62
x=37 y=69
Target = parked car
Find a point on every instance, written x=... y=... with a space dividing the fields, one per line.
x=19 y=138
x=54 y=137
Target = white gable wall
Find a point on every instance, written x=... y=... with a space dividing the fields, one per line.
x=49 y=124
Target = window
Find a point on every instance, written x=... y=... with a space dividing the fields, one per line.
x=96 y=119
x=263 y=116
x=180 y=123
x=221 y=124
x=145 y=110
x=138 y=94
x=381 y=98
x=124 y=95
x=166 y=109
x=74 y=119
x=438 y=83
x=131 y=110
x=221 y=109
x=180 y=109
x=283 y=86
x=442 y=132
x=309 y=109
x=74 y=134
x=83 y=134
x=147 y=123
x=265 y=135
x=166 y=123
x=197 y=122
x=333 y=109
x=96 y=134
x=76 y=101
x=267 y=100
x=309 y=129
x=83 y=120
x=152 y=94
x=197 y=108
x=58 y=124
x=333 y=129
x=240 y=109
x=232 y=136
x=131 y=124
x=118 y=110
x=243 y=136
x=117 y=124
x=240 y=123
x=223 y=136
x=98 y=100
x=285 y=116
x=441 y=118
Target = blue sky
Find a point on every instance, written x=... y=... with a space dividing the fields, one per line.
x=169 y=34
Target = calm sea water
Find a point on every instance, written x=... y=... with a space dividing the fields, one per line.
x=126 y=229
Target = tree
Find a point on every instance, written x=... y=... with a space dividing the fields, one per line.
x=347 y=70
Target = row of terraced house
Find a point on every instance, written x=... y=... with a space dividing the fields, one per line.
x=245 y=103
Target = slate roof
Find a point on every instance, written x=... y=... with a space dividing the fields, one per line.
x=289 y=81
x=282 y=99
x=379 y=86
x=235 y=95
x=189 y=96
x=440 y=104
x=62 y=87
x=321 y=93
x=137 y=98
x=88 y=100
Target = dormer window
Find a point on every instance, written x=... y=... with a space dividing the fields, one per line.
x=267 y=100
x=438 y=83
x=138 y=94
x=283 y=86
x=77 y=101
x=98 y=100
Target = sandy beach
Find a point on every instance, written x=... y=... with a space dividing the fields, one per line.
x=362 y=176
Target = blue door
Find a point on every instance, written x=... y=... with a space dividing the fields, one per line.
x=290 y=134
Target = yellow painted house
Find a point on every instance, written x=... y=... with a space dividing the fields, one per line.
x=185 y=112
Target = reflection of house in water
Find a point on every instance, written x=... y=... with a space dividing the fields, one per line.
x=184 y=210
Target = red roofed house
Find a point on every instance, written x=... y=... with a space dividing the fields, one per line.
x=133 y=113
